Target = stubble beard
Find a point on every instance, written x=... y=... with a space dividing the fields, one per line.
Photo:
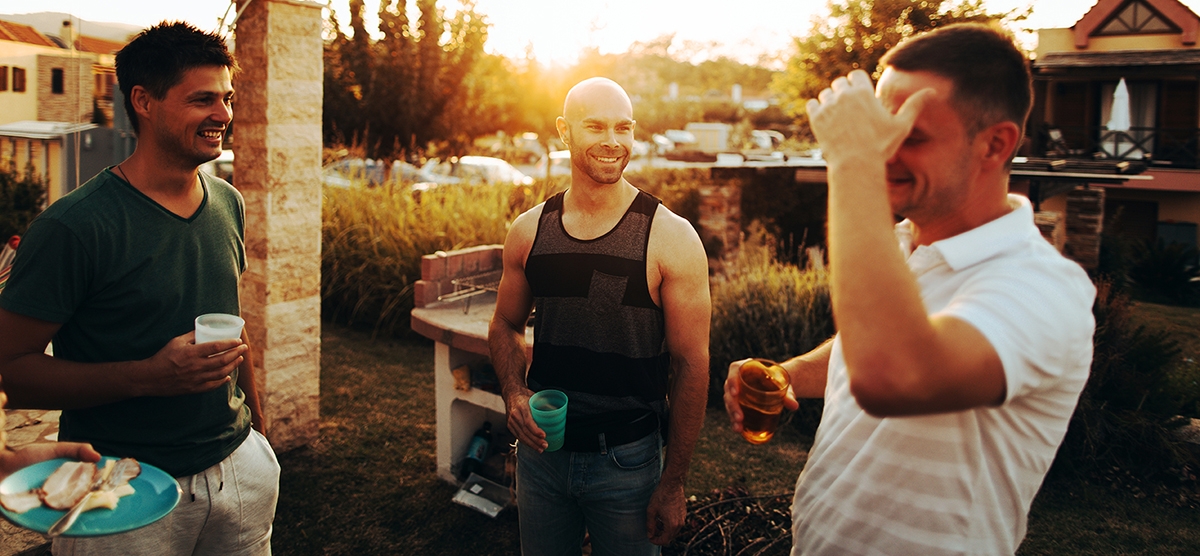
x=597 y=172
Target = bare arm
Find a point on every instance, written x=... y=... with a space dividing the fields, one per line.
x=506 y=332
x=687 y=308
x=900 y=360
x=246 y=376
x=36 y=380
x=807 y=373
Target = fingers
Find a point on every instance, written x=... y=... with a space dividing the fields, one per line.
x=731 y=395
x=908 y=112
x=77 y=450
x=665 y=516
x=522 y=425
x=790 y=402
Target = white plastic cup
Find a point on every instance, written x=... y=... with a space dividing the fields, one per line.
x=218 y=326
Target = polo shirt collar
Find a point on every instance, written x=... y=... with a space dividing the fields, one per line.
x=981 y=243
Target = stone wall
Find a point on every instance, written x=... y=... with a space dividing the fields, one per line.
x=74 y=104
x=278 y=167
x=1085 y=223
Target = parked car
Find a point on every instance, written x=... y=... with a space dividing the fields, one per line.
x=559 y=161
x=479 y=169
x=353 y=171
x=420 y=178
x=221 y=167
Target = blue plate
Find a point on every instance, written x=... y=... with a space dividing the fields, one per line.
x=155 y=494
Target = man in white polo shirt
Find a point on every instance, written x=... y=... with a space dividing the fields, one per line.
x=959 y=356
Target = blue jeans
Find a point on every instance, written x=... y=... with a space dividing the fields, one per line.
x=560 y=495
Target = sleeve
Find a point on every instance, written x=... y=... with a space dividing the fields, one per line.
x=1037 y=317
x=51 y=273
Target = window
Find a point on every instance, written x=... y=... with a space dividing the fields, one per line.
x=56 y=81
x=3 y=78
x=18 y=80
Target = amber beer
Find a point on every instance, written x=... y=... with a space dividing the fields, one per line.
x=762 y=386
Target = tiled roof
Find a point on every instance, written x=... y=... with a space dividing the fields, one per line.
x=97 y=45
x=18 y=32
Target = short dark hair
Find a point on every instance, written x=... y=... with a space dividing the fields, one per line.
x=990 y=74
x=158 y=57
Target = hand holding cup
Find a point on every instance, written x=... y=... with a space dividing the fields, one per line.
x=762 y=387
x=549 y=409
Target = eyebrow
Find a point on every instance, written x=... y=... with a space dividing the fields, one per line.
x=625 y=121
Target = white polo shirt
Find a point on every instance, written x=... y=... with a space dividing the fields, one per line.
x=957 y=483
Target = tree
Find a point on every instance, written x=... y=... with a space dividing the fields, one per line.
x=21 y=199
x=390 y=95
x=856 y=35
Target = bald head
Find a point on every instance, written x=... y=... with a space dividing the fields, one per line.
x=593 y=92
x=597 y=126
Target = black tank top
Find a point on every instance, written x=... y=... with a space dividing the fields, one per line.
x=598 y=335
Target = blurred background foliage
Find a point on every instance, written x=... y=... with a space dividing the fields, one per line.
x=415 y=87
x=22 y=195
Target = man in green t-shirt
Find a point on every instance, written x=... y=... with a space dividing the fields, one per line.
x=115 y=274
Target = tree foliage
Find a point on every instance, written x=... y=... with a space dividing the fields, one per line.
x=391 y=95
x=857 y=33
x=22 y=197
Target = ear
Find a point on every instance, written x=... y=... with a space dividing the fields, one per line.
x=564 y=131
x=140 y=98
x=999 y=143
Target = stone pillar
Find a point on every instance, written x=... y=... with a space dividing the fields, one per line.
x=1085 y=222
x=277 y=147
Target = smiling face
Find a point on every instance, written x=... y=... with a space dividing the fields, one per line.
x=188 y=124
x=597 y=127
x=930 y=175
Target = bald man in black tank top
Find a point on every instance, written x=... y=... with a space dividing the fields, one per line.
x=621 y=289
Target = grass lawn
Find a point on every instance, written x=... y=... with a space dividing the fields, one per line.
x=368 y=484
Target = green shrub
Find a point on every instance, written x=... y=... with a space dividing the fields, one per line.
x=1166 y=273
x=1132 y=400
x=21 y=200
x=765 y=308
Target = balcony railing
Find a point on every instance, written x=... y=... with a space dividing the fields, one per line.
x=1157 y=146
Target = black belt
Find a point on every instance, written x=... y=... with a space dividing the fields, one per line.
x=623 y=434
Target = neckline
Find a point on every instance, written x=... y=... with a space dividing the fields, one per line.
x=562 y=227
x=126 y=183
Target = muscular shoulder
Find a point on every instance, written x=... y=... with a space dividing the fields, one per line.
x=522 y=231
x=674 y=241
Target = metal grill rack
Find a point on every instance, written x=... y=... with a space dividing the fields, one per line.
x=467 y=287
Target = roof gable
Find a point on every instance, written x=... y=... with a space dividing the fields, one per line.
x=18 y=32
x=1109 y=17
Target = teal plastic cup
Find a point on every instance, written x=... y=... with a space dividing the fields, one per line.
x=549 y=408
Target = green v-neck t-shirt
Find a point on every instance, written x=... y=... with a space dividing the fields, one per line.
x=124 y=276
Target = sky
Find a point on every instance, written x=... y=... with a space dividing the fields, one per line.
x=557 y=30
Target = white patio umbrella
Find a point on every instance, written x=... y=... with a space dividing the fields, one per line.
x=1119 y=119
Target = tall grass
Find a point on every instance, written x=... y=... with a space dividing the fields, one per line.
x=766 y=308
x=374 y=238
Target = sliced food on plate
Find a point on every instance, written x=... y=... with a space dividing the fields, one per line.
x=73 y=481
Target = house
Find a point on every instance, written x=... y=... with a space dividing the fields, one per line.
x=1137 y=61
x=52 y=90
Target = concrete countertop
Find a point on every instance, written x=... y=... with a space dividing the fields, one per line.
x=460 y=326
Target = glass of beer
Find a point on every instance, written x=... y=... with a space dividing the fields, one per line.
x=762 y=387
